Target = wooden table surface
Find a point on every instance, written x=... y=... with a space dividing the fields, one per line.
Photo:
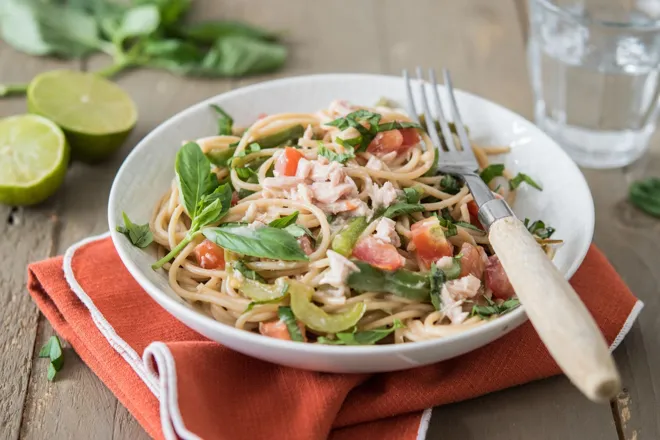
x=483 y=43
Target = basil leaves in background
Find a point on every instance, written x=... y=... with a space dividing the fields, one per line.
x=52 y=349
x=149 y=33
x=645 y=194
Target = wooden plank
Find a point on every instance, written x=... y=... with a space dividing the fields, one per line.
x=470 y=39
x=27 y=235
x=126 y=427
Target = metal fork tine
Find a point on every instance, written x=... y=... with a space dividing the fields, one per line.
x=458 y=123
x=412 y=111
x=430 y=126
x=444 y=127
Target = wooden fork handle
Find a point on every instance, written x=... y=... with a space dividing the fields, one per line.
x=560 y=318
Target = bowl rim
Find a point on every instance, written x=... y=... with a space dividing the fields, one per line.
x=514 y=318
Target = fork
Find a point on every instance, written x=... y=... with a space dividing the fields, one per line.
x=555 y=310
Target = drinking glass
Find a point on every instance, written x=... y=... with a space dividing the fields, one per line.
x=594 y=71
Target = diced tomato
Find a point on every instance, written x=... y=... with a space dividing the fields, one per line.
x=379 y=254
x=306 y=244
x=386 y=142
x=410 y=137
x=473 y=209
x=277 y=329
x=497 y=280
x=209 y=255
x=430 y=241
x=234 y=198
x=472 y=261
x=287 y=164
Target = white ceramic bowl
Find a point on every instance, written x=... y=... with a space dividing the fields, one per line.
x=565 y=203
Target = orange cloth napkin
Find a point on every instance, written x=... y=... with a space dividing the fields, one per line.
x=190 y=387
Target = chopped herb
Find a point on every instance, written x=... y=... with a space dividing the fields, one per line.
x=449 y=225
x=248 y=273
x=52 y=349
x=402 y=208
x=520 y=178
x=366 y=337
x=286 y=316
x=413 y=194
x=139 y=235
x=283 y=222
x=539 y=229
x=337 y=157
x=299 y=230
x=492 y=308
x=492 y=171
x=645 y=194
x=467 y=225
x=225 y=122
x=436 y=281
x=450 y=184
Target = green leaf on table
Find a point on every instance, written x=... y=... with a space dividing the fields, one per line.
x=645 y=194
x=210 y=31
x=401 y=282
x=283 y=222
x=225 y=122
x=138 y=21
x=194 y=177
x=365 y=337
x=492 y=171
x=240 y=56
x=286 y=316
x=265 y=242
x=139 y=235
x=176 y=56
x=520 y=178
x=247 y=272
x=39 y=28
x=52 y=349
x=401 y=209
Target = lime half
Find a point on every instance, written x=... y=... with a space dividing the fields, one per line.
x=34 y=156
x=95 y=114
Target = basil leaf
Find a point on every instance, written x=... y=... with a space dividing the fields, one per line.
x=337 y=157
x=401 y=209
x=171 y=11
x=139 y=21
x=449 y=225
x=239 y=56
x=52 y=349
x=401 y=282
x=193 y=172
x=539 y=229
x=176 y=56
x=357 y=120
x=467 y=225
x=286 y=316
x=40 y=28
x=492 y=171
x=366 y=337
x=283 y=222
x=298 y=231
x=208 y=32
x=450 y=185
x=265 y=242
x=492 y=308
x=396 y=125
x=413 y=194
x=645 y=194
x=225 y=122
x=139 y=235
x=212 y=207
x=520 y=178
x=436 y=281
x=247 y=272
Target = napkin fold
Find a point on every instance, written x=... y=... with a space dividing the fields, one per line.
x=179 y=384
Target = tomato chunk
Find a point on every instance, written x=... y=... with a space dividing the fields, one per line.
x=277 y=329
x=209 y=255
x=473 y=261
x=473 y=209
x=287 y=164
x=430 y=241
x=386 y=142
x=497 y=280
x=379 y=254
x=234 y=198
x=306 y=245
x=410 y=137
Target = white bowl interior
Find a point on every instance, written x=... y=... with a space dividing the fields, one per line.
x=565 y=203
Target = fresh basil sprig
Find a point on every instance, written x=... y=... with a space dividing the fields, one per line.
x=283 y=222
x=225 y=122
x=492 y=308
x=539 y=229
x=337 y=157
x=205 y=201
x=645 y=194
x=413 y=194
x=52 y=349
x=286 y=316
x=520 y=178
x=265 y=242
x=400 y=282
x=365 y=337
x=139 y=235
x=492 y=171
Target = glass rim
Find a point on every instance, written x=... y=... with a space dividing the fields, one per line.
x=549 y=4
